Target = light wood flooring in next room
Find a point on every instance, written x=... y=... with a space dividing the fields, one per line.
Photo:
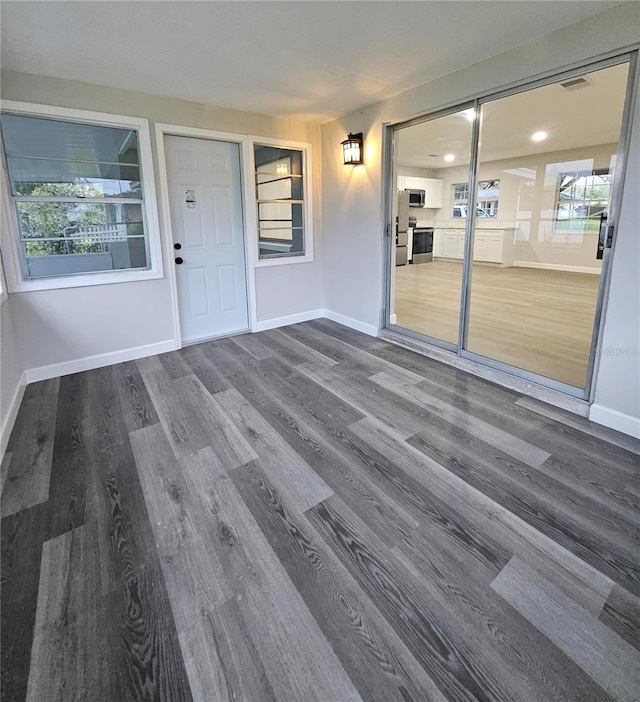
x=539 y=320
x=309 y=514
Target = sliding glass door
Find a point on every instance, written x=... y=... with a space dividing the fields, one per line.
x=527 y=181
x=430 y=304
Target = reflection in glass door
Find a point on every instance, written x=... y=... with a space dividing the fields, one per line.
x=501 y=256
x=535 y=268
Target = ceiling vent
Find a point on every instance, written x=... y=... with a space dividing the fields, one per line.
x=575 y=83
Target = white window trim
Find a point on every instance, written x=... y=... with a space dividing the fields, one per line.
x=10 y=238
x=252 y=209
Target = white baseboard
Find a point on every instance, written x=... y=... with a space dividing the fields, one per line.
x=615 y=420
x=356 y=324
x=9 y=420
x=557 y=267
x=99 y=361
x=288 y=319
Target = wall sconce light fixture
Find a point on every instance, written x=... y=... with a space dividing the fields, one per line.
x=352 y=149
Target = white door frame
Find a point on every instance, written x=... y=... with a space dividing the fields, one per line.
x=245 y=143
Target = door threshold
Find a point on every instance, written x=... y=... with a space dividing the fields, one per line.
x=512 y=382
x=203 y=339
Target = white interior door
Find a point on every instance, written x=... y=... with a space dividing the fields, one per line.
x=205 y=199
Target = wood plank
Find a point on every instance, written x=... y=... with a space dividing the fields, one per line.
x=174 y=364
x=67 y=487
x=192 y=571
x=206 y=372
x=377 y=661
x=324 y=447
x=285 y=634
x=4 y=468
x=539 y=670
x=360 y=392
x=610 y=547
x=22 y=535
x=582 y=424
x=621 y=612
x=138 y=410
x=191 y=419
x=67 y=634
x=27 y=482
x=252 y=344
x=239 y=673
x=409 y=609
x=522 y=450
x=114 y=497
x=489 y=517
x=179 y=521
x=285 y=468
x=611 y=662
x=42 y=388
x=355 y=359
x=291 y=350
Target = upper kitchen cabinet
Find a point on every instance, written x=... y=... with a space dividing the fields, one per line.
x=432 y=188
x=432 y=192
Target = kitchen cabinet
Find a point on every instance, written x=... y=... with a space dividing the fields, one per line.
x=489 y=245
x=432 y=188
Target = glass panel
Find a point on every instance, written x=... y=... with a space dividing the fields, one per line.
x=426 y=271
x=535 y=275
x=279 y=184
x=45 y=177
x=53 y=157
x=93 y=236
x=36 y=137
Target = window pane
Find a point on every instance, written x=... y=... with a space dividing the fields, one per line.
x=62 y=238
x=45 y=177
x=35 y=137
x=40 y=220
x=279 y=184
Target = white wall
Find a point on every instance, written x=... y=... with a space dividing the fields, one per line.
x=352 y=198
x=62 y=326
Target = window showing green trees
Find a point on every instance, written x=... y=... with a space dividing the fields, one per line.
x=77 y=191
x=583 y=197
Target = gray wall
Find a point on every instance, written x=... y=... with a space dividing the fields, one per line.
x=352 y=198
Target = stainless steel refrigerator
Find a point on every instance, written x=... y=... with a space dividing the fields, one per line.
x=402 y=226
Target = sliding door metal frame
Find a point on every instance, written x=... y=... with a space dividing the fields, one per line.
x=629 y=55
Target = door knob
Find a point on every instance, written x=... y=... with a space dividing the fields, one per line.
x=177 y=247
x=178 y=260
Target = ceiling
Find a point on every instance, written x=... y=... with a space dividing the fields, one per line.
x=589 y=115
x=311 y=60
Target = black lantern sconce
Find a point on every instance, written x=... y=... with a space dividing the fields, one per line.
x=352 y=149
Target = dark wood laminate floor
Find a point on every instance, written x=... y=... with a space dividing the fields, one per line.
x=310 y=514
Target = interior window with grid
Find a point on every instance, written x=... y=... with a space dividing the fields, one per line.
x=583 y=199
x=486 y=202
x=280 y=197
x=77 y=190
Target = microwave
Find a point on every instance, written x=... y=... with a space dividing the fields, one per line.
x=416 y=198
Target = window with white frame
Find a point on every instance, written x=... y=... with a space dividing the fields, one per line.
x=583 y=199
x=280 y=194
x=80 y=193
x=486 y=202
